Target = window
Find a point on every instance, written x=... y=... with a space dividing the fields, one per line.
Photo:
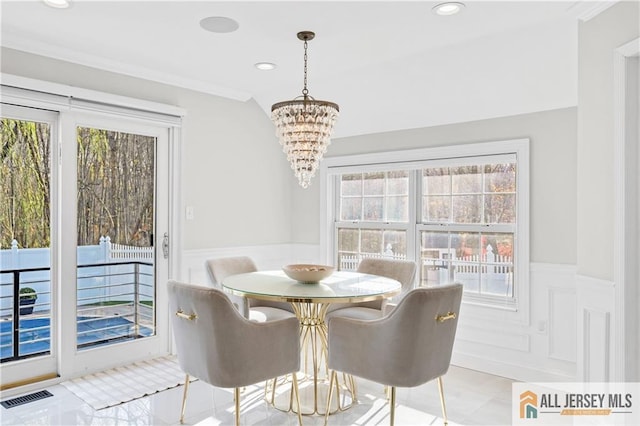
x=379 y=196
x=467 y=226
x=373 y=212
x=459 y=212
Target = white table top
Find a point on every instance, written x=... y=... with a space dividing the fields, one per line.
x=341 y=286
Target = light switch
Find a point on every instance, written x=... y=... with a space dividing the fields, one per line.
x=189 y=213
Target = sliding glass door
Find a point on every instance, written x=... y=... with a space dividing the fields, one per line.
x=28 y=181
x=84 y=233
x=121 y=223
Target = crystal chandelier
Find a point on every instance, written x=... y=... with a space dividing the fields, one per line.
x=304 y=126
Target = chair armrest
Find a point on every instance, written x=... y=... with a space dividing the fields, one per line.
x=388 y=307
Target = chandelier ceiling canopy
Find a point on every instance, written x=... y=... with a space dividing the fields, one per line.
x=304 y=126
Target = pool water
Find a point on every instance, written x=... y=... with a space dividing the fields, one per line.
x=35 y=334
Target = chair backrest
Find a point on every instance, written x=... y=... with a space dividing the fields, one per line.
x=222 y=267
x=426 y=320
x=400 y=270
x=410 y=346
x=219 y=346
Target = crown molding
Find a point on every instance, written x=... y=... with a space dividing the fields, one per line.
x=14 y=41
x=584 y=10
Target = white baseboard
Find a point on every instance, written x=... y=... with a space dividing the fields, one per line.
x=503 y=368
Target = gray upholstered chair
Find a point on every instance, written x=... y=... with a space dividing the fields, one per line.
x=400 y=270
x=217 y=345
x=408 y=347
x=257 y=310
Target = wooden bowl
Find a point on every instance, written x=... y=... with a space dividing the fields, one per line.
x=307 y=273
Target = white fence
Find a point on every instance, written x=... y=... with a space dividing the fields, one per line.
x=350 y=262
x=120 y=251
x=92 y=282
x=488 y=273
x=488 y=263
x=104 y=252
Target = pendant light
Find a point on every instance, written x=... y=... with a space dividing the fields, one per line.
x=304 y=126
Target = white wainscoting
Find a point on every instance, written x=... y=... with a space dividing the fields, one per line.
x=596 y=321
x=266 y=257
x=544 y=349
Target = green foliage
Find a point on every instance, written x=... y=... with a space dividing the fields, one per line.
x=27 y=293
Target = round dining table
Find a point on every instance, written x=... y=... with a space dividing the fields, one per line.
x=310 y=303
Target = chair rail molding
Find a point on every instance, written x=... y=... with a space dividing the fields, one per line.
x=270 y=256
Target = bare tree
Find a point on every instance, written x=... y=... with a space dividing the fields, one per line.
x=116 y=185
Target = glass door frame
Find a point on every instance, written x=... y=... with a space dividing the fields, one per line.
x=77 y=362
x=45 y=366
x=68 y=102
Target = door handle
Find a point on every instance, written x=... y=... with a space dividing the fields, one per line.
x=165 y=245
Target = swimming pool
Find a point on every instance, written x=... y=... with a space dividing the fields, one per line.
x=35 y=334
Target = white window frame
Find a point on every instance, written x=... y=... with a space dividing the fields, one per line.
x=415 y=159
x=380 y=224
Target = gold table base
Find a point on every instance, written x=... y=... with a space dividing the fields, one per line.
x=313 y=380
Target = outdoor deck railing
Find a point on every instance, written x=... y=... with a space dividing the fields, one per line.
x=114 y=302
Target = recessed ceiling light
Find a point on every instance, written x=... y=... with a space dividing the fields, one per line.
x=58 y=4
x=449 y=8
x=219 y=24
x=265 y=66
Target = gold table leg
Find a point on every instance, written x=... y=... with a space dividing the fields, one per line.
x=314 y=384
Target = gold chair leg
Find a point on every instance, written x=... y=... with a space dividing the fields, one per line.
x=296 y=389
x=444 y=408
x=392 y=404
x=332 y=380
x=184 y=399
x=236 y=396
x=354 y=387
x=273 y=391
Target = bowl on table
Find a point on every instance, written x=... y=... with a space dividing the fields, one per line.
x=307 y=273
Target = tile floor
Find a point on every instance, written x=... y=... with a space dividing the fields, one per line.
x=472 y=398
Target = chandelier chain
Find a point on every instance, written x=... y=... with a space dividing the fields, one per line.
x=305 y=91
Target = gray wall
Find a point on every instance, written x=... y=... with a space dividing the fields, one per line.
x=553 y=173
x=260 y=202
x=234 y=172
x=597 y=39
